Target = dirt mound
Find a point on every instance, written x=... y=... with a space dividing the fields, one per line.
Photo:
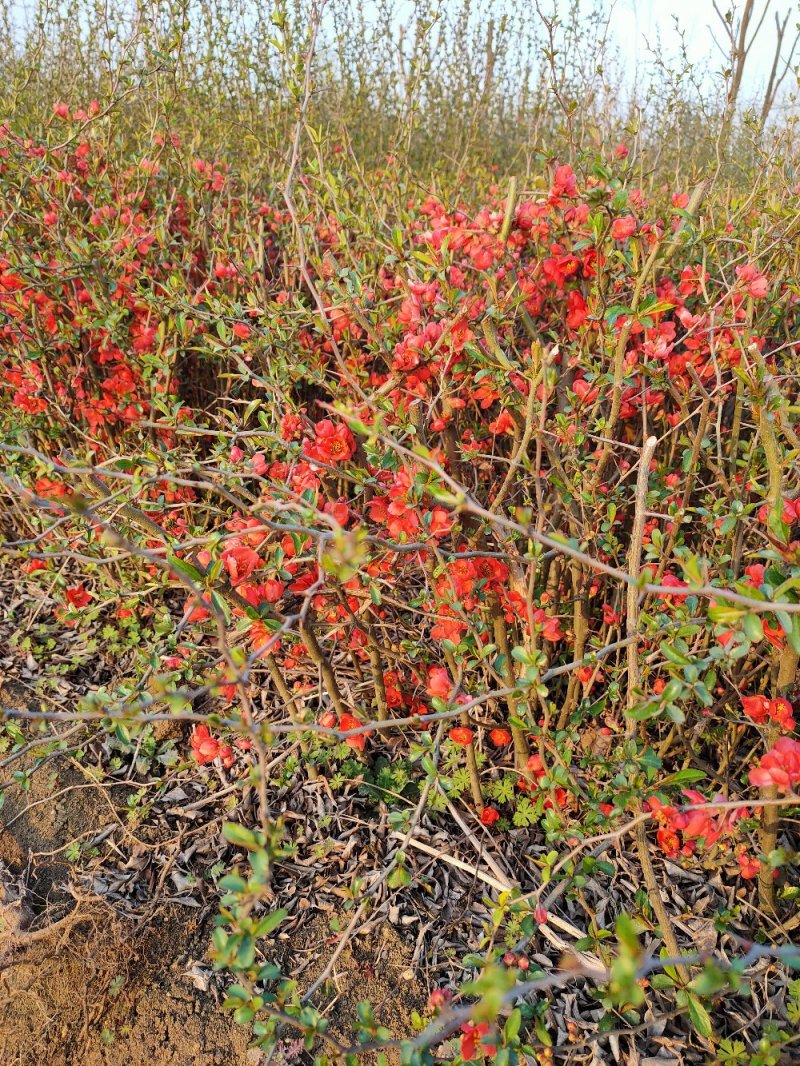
x=78 y=983
x=103 y=992
x=82 y=983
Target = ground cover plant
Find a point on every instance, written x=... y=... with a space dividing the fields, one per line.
x=364 y=477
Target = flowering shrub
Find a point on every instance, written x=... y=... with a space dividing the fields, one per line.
x=500 y=489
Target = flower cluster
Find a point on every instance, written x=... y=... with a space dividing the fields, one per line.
x=207 y=749
x=761 y=711
x=779 y=768
x=683 y=832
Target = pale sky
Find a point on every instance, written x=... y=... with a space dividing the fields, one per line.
x=634 y=20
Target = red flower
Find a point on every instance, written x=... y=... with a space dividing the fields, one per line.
x=762 y=710
x=338 y=510
x=332 y=444
x=552 y=631
x=500 y=737
x=439 y=683
x=535 y=765
x=472 y=1041
x=779 y=768
x=789 y=515
x=262 y=639
x=291 y=425
x=461 y=735
x=241 y=330
x=668 y=840
x=671 y=581
x=622 y=228
x=564 y=182
x=756 y=284
x=781 y=712
x=748 y=867
x=756 y=707
x=774 y=635
x=347 y=722
x=755 y=574
x=439 y=998
x=49 y=489
x=239 y=560
x=206 y=748
x=196 y=609
x=489 y=815
x=504 y=423
x=577 y=310
x=440 y=522
x=271 y=591
x=78 y=596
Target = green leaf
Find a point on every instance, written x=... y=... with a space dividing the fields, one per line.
x=699 y=1016
x=399 y=878
x=672 y=691
x=670 y=652
x=615 y=312
x=728 y=615
x=775 y=522
x=232 y=883
x=644 y=712
x=221 y=607
x=512 y=1026
x=186 y=569
x=692 y=571
x=270 y=922
x=651 y=305
x=628 y=933
x=365 y=1012
x=682 y=777
x=247 y=952
x=241 y=837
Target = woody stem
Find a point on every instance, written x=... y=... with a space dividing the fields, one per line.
x=320 y=660
x=469 y=750
x=521 y=750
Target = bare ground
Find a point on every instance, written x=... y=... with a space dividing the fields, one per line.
x=89 y=978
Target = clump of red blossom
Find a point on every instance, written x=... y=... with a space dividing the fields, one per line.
x=779 y=768
x=207 y=749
